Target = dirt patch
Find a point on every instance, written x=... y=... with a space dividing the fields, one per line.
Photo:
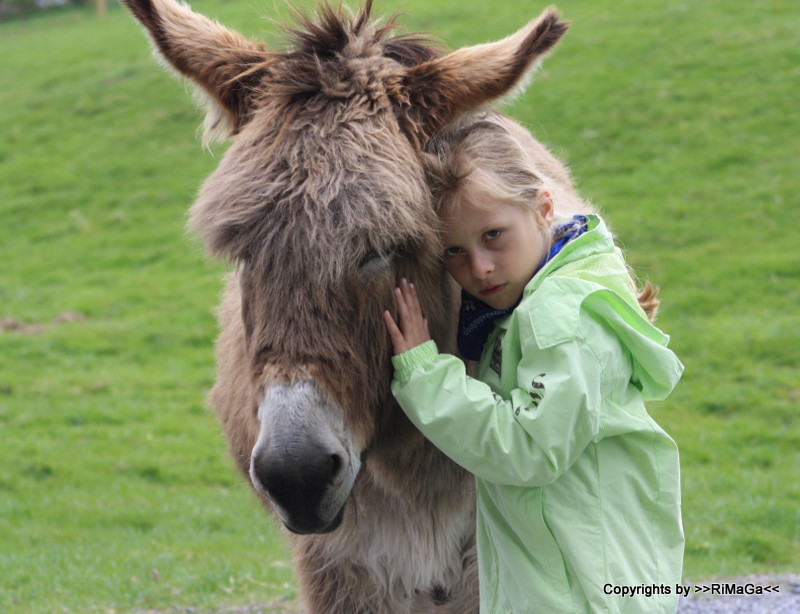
x=274 y=607
x=34 y=328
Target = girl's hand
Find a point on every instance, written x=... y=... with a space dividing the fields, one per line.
x=413 y=329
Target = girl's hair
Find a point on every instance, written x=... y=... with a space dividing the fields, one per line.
x=483 y=157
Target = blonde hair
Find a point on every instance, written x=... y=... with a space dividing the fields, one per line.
x=486 y=158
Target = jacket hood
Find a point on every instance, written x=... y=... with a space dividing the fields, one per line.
x=592 y=269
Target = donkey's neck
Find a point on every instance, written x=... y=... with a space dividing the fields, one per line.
x=411 y=468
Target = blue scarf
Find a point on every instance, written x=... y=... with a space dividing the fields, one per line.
x=476 y=319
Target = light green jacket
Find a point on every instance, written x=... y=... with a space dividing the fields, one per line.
x=578 y=488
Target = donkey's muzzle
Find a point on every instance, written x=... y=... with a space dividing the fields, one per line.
x=298 y=483
x=304 y=461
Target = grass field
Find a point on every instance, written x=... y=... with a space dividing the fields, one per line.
x=116 y=493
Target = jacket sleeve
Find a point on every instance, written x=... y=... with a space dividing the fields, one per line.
x=528 y=438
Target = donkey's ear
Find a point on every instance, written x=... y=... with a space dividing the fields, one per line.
x=226 y=66
x=445 y=88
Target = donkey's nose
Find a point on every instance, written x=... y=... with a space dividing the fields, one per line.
x=298 y=482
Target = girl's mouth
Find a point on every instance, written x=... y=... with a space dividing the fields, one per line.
x=492 y=290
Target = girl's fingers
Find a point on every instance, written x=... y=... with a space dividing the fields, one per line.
x=389 y=323
x=391 y=326
x=408 y=296
x=402 y=309
x=411 y=327
x=403 y=302
x=394 y=333
x=413 y=292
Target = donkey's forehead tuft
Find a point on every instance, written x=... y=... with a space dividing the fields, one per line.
x=334 y=43
x=333 y=31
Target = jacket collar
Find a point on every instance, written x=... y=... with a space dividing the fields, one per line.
x=476 y=319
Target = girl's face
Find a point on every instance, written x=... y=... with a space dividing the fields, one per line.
x=493 y=250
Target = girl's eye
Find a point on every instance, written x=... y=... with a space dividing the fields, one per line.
x=493 y=234
x=452 y=251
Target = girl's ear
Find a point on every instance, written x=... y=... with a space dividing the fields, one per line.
x=546 y=207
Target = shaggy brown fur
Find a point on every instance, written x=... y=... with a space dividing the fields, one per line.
x=322 y=203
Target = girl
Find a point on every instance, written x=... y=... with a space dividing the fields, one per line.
x=578 y=493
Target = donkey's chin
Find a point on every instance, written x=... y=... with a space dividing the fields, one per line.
x=314 y=528
x=306 y=521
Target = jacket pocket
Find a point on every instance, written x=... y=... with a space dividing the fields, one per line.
x=533 y=573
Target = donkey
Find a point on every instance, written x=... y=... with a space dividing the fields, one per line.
x=322 y=203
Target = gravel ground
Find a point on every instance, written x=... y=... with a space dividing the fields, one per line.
x=786 y=600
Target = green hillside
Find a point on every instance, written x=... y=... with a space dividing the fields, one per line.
x=679 y=120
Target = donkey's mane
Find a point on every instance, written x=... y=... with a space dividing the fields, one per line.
x=334 y=27
x=320 y=43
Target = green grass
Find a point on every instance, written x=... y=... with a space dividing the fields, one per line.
x=116 y=492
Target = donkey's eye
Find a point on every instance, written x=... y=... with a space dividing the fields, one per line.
x=375 y=258
x=368 y=258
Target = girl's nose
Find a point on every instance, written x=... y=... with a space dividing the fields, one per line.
x=481 y=265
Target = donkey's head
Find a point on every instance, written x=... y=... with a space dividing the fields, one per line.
x=322 y=202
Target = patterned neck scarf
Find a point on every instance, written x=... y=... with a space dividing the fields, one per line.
x=476 y=319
